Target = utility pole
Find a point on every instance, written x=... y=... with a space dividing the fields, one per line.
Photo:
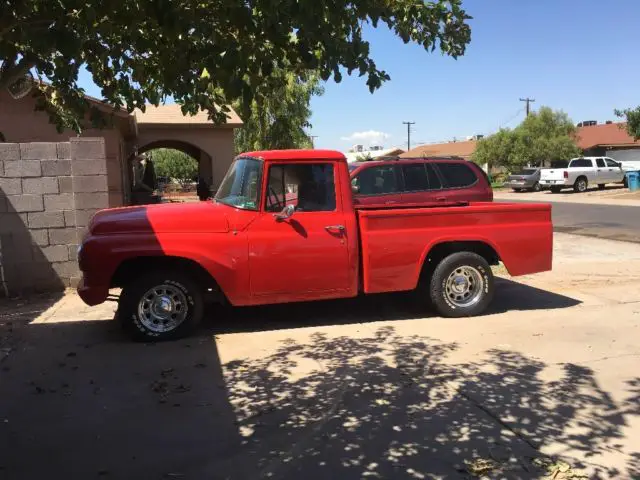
x=408 y=124
x=528 y=100
x=313 y=140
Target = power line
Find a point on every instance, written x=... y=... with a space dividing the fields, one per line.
x=408 y=124
x=528 y=100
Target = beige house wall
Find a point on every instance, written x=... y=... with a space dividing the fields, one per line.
x=216 y=143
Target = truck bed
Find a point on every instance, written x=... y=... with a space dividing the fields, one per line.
x=394 y=249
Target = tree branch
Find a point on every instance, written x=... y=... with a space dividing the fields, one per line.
x=16 y=71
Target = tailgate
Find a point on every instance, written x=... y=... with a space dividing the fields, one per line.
x=552 y=174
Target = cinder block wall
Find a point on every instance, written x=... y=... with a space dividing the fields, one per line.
x=48 y=193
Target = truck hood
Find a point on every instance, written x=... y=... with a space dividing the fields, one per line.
x=202 y=217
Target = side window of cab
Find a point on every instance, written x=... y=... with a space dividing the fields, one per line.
x=309 y=187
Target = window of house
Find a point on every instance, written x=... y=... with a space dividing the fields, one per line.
x=376 y=181
x=457 y=175
x=309 y=187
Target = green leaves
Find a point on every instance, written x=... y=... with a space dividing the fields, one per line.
x=143 y=51
x=543 y=137
x=632 y=117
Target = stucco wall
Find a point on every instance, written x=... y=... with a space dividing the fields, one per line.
x=48 y=193
x=217 y=143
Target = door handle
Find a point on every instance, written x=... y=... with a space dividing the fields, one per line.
x=334 y=228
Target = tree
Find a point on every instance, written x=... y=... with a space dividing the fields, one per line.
x=206 y=53
x=632 y=117
x=277 y=119
x=494 y=149
x=175 y=164
x=543 y=137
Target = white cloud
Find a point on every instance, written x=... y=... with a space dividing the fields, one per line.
x=369 y=137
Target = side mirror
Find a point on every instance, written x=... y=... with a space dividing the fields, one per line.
x=287 y=212
x=355 y=189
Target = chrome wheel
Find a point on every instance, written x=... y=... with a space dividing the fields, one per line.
x=162 y=308
x=464 y=286
x=582 y=185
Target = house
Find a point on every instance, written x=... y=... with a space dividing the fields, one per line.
x=358 y=152
x=462 y=149
x=129 y=134
x=606 y=139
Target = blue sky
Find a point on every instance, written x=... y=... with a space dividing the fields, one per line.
x=578 y=56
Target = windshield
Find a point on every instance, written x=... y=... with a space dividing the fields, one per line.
x=240 y=187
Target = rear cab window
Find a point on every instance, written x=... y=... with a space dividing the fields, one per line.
x=457 y=175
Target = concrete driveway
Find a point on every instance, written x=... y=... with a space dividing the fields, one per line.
x=546 y=385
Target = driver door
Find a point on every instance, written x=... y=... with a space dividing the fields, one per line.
x=305 y=256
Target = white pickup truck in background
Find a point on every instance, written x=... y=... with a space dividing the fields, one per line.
x=583 y=172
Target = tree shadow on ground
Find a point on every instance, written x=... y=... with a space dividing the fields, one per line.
x=387 y=406
x=86 y=402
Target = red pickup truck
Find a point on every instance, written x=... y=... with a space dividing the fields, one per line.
x=283 y=228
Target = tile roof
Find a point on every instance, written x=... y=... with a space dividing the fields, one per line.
x=172 y=115
x=604 y=134
x=461 y=149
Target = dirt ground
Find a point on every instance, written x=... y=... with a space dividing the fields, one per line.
x=546 y=385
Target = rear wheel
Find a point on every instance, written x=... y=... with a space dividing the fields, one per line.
x=601 y=186
x=161 y=305
x=462 y=285
x=581 y=185
x=536 y=187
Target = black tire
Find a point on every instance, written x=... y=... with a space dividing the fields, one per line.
x=555 y=189
x=176 y=287
x=581 y=185
x=536 y=187
x=601 y=186
x=444 y=301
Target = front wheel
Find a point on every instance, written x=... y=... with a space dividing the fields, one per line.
x=161 y=305
x=462 y=285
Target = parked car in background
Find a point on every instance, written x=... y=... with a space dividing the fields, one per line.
x=525 y=179
x=583 y=172
x=419 y=180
